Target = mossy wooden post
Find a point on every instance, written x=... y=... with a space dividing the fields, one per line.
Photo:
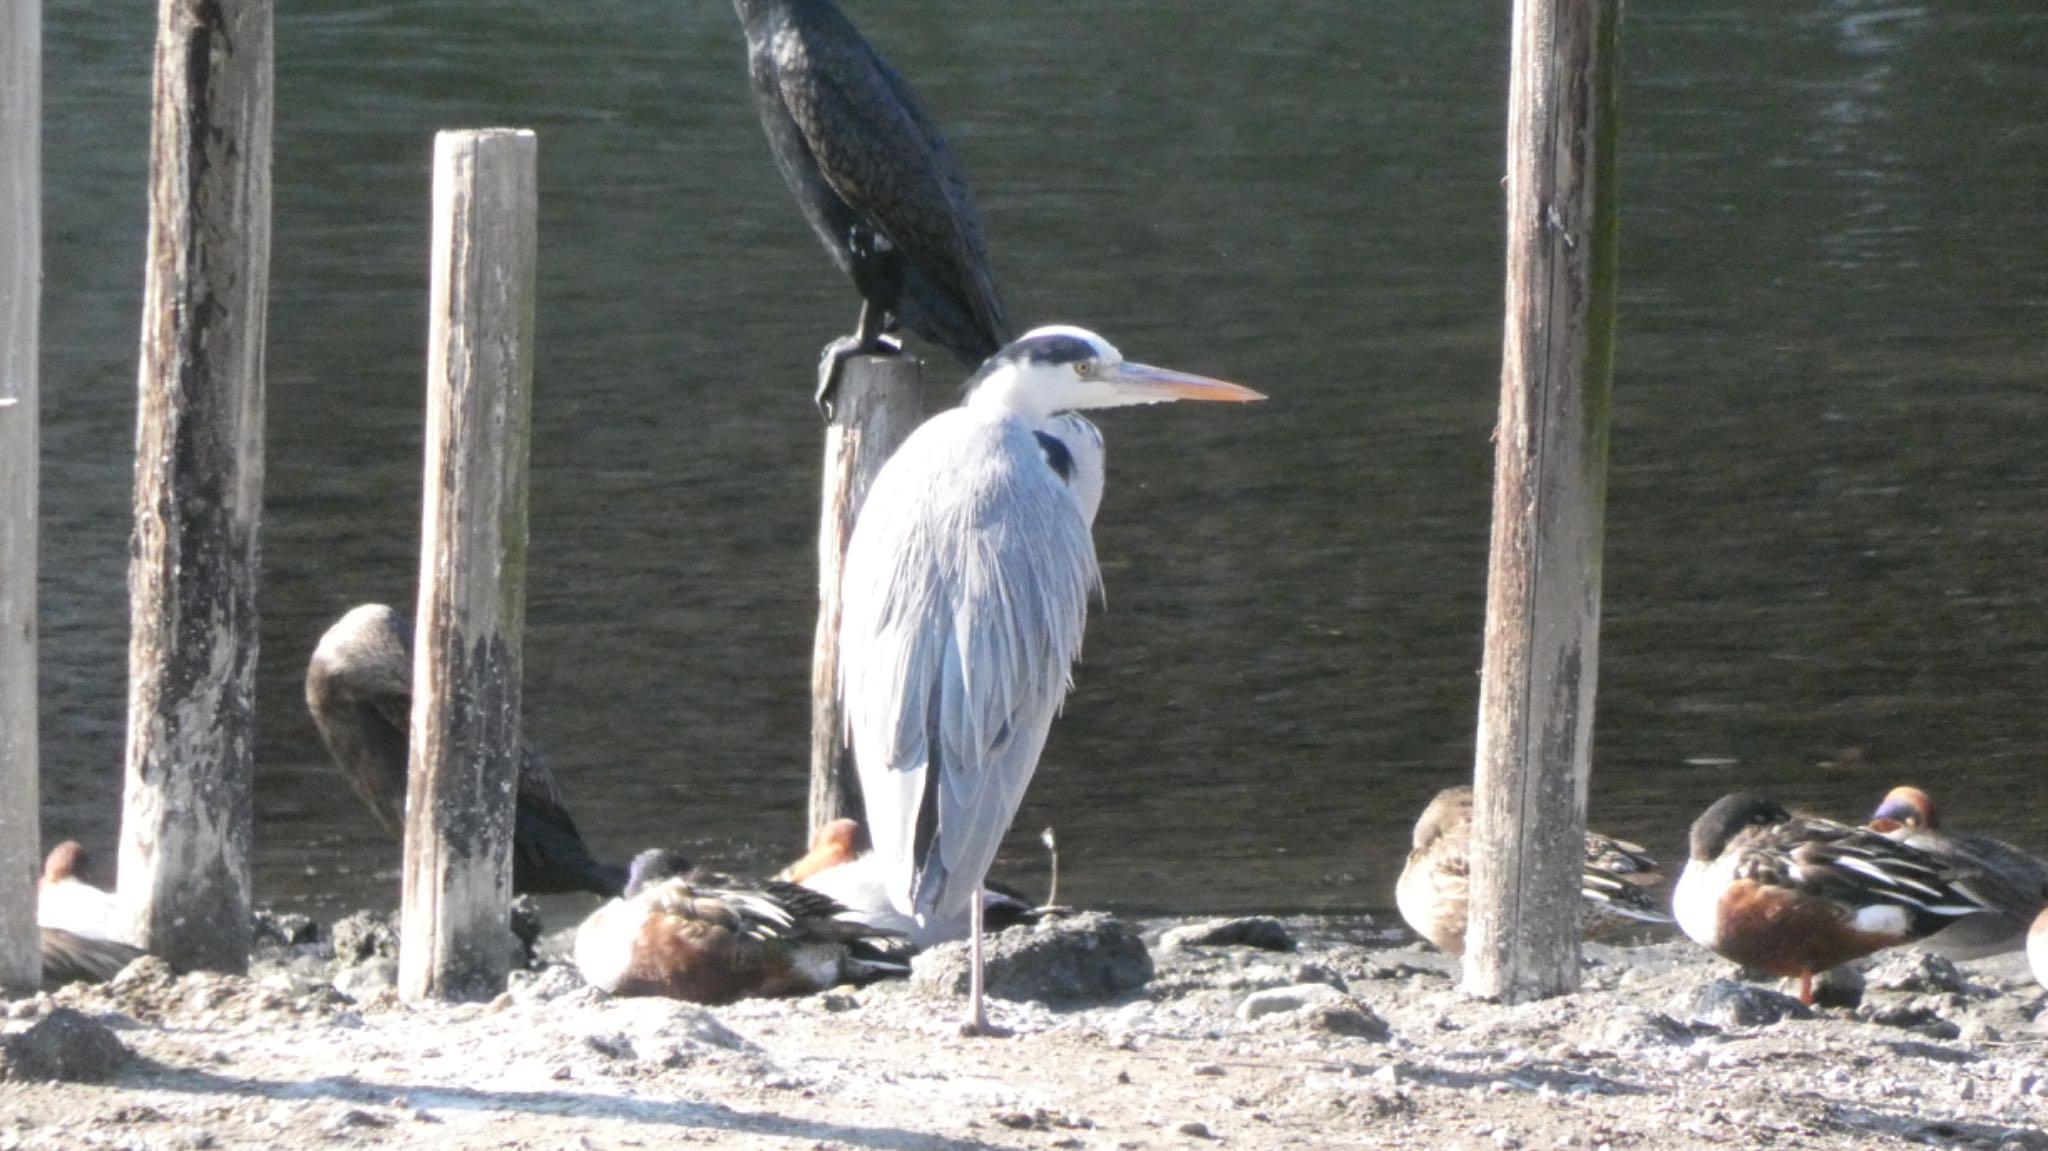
x=879 y=403
x=184 y=862
x=21 y=276
x=1549 y=498
x=453 y=936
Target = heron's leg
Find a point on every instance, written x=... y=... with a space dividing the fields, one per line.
x=976 y=1022
x=867 y=340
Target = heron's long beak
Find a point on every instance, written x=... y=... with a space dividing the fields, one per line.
x=1145 y=384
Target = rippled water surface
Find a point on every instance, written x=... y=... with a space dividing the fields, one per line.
x=1827 y=560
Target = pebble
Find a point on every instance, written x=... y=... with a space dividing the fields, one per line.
x=1195 y=1129
x=1261 y=932
x=66 y=1046
x=1725 y=1003
x=1068 y=959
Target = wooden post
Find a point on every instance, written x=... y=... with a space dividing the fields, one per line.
x=1543 y=587
x=185 y=825
x=21 y=275
x=879 y=404
x=453 y=938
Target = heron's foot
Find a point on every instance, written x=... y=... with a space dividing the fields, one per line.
x=983 y=1029
x=833 y=363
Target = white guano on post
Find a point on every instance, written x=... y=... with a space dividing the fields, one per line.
x=186 y=814
x=454 y=941
x=1543 y=584
x=21 y=282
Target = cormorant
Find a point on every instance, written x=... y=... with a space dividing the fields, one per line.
x=359 y=689
x=876 y=181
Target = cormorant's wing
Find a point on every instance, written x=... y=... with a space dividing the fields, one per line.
x=877 y=149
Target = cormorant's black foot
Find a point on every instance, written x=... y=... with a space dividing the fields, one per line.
x=833 y=362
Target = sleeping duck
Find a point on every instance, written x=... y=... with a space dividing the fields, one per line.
x=705 y=939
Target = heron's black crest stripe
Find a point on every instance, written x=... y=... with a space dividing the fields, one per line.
x=1056 y=348
x=1057 y=457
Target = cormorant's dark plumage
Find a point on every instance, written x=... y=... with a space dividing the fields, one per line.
x=875 y=179
x=359 y=689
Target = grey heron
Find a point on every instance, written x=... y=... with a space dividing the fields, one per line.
x=965 y=593
x=876 y=181
x=359 y=689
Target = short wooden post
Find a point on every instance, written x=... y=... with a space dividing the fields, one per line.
x=184 y=867
x=880 y=402
x=1543 y=587
x=453 y=938
x=21 y=276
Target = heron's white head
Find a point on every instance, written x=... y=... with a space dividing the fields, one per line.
x=1060 y=369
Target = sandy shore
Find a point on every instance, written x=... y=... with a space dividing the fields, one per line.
x=1342 y=1041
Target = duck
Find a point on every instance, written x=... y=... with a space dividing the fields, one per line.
x=359 y=691
x=2016 y=883
x=679 y=933
x=835 y=844
x=2037 y=948
x=1431 y=893
x=1795 y=895
x=83 y=935
x=838 y=868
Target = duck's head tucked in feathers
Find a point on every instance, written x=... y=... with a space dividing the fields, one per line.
x=1796 y=895
x=674 y=934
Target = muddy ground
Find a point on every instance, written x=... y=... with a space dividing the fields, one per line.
x=1344 y=1040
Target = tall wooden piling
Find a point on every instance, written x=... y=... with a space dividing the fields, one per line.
x=453 y=936
x=199 y=487
x=21 y=283
x=1549 y=501
x=880 y=402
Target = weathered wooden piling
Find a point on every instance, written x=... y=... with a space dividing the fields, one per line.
x=453 y=936
x=21 y=283
x=199 y=487
x=880 y=402
x=1549 y=500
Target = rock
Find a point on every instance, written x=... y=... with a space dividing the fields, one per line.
x=1917 y=972
x=1314 y=1007
x=1631 y=1028
x=1283 y=999
x=545 y=985
x=1838 y=987
x=1726 y=1003
x=362 y=936
x=65 y=1045
x=367 y=979
x=1257 y=931
x=284 y=928
x=1081 y=958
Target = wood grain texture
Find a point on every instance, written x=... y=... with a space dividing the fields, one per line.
x=453 y=937
x=185 y=826
x=880 y=403
x=21 y=273
x=1543 y=585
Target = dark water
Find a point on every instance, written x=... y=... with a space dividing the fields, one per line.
x=1827 y=564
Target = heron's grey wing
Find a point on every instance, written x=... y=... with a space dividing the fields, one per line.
x=893 y=632
x=1027 y=566
x=967 y=585
x=861 y=121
